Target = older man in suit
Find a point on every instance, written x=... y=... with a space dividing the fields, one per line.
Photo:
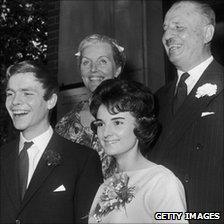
x=191 y=108
x=44 y=177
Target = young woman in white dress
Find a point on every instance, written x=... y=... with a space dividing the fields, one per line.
x=141 y=190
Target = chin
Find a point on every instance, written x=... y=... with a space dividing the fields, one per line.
x=110 y=151
x=175 y=60
x=20 y=124
x=93 y=87
x=19 y=127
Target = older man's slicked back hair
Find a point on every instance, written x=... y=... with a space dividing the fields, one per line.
x=204 y=9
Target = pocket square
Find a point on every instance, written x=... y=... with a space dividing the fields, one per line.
x=203 y=114
x=60 y=188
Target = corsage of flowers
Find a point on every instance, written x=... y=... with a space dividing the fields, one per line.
x=116 y=193
x=52 y=158
x=207 y=89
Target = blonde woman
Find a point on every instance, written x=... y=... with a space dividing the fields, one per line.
x=99 y=58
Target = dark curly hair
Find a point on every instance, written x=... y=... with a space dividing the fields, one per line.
x=128 y=96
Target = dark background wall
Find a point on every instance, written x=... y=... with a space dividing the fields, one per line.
x=137 y=24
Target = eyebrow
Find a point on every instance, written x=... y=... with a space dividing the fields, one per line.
x=116 y=118
x=97 y=58
x=113 y=119
x=7 y=89
x=173 y=22
x=97 y=120
x=24 y=89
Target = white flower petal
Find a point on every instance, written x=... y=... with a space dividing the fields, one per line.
x=207 y=89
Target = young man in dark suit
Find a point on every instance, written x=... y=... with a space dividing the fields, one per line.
x=44 y=177
x=191 y=108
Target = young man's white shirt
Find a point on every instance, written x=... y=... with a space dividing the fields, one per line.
x=36 y=150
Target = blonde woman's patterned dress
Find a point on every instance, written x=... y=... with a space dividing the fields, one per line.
x=71 y=128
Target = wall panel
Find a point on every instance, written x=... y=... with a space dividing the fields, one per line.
x=136 y=24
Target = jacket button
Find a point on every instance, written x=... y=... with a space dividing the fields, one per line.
x=18 y=221
x=199 y=146
x=186 y=178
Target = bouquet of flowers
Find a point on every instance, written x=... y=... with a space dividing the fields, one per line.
x=115 y=195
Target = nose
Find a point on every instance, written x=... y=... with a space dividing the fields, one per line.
x=93 y=67
x=16 y=99
x=107 y=131
x=168 y=36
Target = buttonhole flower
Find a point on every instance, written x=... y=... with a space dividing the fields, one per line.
x=207 y=89
x=52 y=158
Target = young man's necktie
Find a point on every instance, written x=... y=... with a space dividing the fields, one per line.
x=24 y=167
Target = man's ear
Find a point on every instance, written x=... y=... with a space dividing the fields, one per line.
x=118 y=71
x=209 y=32
x=52 y=101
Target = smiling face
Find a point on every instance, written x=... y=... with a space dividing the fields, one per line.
x=26 y=105
x=185 y=36
x=97 y=64
x=115 y=132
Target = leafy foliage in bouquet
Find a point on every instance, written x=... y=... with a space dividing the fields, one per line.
x=116 y=194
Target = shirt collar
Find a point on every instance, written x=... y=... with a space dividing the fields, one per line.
x=40 y=141
x=197 y=71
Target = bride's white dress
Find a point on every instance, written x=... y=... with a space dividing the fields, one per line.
x=157 y=189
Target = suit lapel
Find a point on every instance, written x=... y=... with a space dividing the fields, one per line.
x=10 y=173
x=170 y=100
x=166 y=115
x=193 y=106
x=42 y=172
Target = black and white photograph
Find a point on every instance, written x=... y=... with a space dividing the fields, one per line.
x=111 y=111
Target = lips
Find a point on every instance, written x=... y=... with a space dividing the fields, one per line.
x=174 y=48
x=96 y=78
x=19 y=113
x=110 y=142
x=172 y=45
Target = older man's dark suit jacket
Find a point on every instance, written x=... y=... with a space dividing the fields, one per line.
x=78 y=170
x=191 y=145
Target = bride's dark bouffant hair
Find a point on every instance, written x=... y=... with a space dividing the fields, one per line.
x=128 y=96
